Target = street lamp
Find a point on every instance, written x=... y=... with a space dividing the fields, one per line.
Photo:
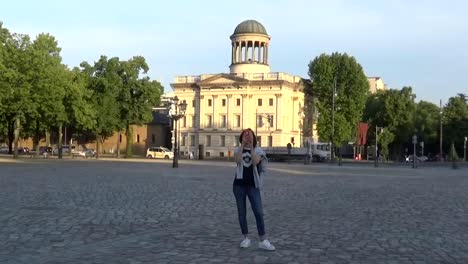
x=259 y=121
x=440 y=139
x=176 y=112
x=333 y=121
x=464 y=150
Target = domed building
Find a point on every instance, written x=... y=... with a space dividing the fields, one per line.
x=220 y=106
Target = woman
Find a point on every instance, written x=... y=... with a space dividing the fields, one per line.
x=247 y=183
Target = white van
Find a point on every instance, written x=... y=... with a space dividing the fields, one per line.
x=159 y=153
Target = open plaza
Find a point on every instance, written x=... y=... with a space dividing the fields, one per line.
x=144 y=211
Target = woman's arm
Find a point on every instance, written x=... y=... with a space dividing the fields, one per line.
x=255 y=157
x=238 y=154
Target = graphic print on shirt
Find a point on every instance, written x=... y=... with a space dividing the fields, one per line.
x=246 y=159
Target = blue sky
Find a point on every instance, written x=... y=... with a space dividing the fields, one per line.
x=423 y=44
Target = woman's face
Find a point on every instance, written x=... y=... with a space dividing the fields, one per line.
x=247 y=137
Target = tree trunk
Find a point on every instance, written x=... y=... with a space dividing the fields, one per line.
x=118 y=144
x=98 y=148
x=17 y=131
x=129 y=150
x=60 y=141
x=36 y=139
x=11 y=135
x=47 y=137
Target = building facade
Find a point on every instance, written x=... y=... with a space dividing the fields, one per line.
x=220 y=106
x=376 y=84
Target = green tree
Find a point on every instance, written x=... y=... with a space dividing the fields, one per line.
x=394 y=111
x=48 y=81
x=104 y=81
x=351 y=93
x=455 y=127
x=15 y=85
x=426 y=121
x=137 y=96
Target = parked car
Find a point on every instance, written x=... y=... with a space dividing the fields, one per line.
x=159 y=153
x=87 y=153
x=65 y=150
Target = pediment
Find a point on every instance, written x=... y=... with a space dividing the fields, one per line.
x=224 y=79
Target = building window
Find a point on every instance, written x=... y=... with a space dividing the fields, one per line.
x=270 y=101
x=238 y=101
x=236 y=141
x=223 y=120
x=270 y=120
x=223 y=102
x=193 y=103
x=209 y=121
x=270 y=141
x=138 y=138
x=184 y=141
x=259 y=141
x=210 y=102
x=208 y=141
x=184 y=121
x=192 y=140
x=120 y=138
x=221 y=154
x=223 y=141
x=259 y=102
x=238 y=121
x=153 y=138
x=259 y=121
x=207 y=154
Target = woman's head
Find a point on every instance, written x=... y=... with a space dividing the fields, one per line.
x=248 y=137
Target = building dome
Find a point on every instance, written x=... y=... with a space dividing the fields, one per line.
x=250 y=27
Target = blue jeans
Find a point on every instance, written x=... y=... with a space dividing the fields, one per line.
x=241 y=192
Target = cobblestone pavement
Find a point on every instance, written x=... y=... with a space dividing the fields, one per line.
x=144 y=211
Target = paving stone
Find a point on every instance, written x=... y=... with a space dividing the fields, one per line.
x=144 y=211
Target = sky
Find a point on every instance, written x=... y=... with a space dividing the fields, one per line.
x=417 y=43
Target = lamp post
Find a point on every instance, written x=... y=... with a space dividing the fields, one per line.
x=440 y=139
x=464 y=149
x=333 y=121
x=176 y=112
x=259 y=119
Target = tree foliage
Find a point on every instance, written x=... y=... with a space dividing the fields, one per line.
x=455 y=115
x=351 y=93
x=39 y=95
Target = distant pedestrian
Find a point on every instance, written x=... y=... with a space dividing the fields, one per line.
x=247 y=183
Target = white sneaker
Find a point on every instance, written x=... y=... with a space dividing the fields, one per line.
x=245 y=243
x=266 y=245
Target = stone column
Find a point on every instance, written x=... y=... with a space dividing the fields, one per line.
x=293 y=125
x=264 y=53
x=259 y=50
x=202 y=114
x=214 y=114
x=277 y=114
x=246 y=51
x=253 y=52
x=244 y=111
x=238 y=51
x=233 y=47
x=228 y=113
x=241 y=57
